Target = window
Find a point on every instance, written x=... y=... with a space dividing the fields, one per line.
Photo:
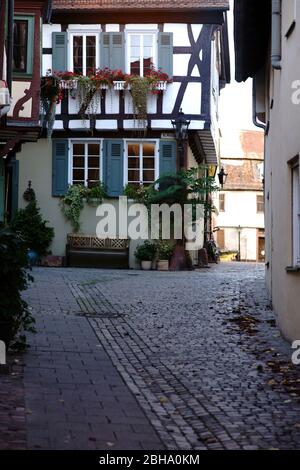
x=23 y=44
x=141 y=53
x=296 y=214
x=141 y=162
x=222 y=202
x=260 y=204
x=85 y=163
x=84 y=52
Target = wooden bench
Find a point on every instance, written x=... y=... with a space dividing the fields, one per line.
x=89 y=251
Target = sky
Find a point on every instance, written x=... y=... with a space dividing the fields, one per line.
x=236 y=99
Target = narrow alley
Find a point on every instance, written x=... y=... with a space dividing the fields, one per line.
x=148 y=360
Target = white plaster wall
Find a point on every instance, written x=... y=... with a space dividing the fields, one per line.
x=18 y=91
x=283 y=144
x=47 y=30
x=191 y=103
x=46 y=64
x=180 y=33
x=240 y=209
x=248 y=242
x=112 y=102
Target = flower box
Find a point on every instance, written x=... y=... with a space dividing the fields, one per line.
x=68 y=84
x=119 y=85
x=160 y=86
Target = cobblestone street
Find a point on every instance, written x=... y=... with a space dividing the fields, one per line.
x=149 y=360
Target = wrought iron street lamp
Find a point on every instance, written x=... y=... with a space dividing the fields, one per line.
x=181 y=127
x=222 y=177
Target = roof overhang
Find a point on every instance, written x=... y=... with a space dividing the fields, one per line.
x=252 y=29
x=123 y=16
x=10 y=138
x=203 y=147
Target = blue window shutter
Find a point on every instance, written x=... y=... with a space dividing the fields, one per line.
x=167 y=157
x=113 y=161
x=117 y=51
x=59 y=52
x=165 y=53
x=104 y=50
x=112 y=51
x=2 y=189
x=59 y=167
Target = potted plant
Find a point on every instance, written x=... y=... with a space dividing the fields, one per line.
x=35 y=232
x=15 y=317
x=95 y=194
x=157 y=80
x=165 y=251
x=145 y=253
x=101 y=78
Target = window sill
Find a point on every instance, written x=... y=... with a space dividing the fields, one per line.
x=292 y=269
x=20 y=76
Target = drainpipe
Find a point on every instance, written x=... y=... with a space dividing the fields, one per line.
x=276 y=35
x=10 y=40
x=254 y=114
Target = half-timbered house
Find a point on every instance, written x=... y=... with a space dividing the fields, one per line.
x=20 y=68
x=185 y=42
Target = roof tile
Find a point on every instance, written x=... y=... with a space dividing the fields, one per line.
x=141 y=4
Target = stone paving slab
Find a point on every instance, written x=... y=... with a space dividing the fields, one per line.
x=176 y=360
x=12 y=407
x=195 y=373
x=74 y=397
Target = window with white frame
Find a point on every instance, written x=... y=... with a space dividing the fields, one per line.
x=141 y=163
x=296 y=213
x=85 y=163
x=84 y=52
x=141 y=53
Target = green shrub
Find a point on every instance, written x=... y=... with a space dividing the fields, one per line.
x=33 y=229
x=146 y=251
x=14 y=279
x=165 y=250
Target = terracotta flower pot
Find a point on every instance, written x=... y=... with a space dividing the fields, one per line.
x=146 y=265
x=163 y=265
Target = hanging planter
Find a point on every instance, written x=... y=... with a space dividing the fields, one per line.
x=139 y=88
x=51 y=95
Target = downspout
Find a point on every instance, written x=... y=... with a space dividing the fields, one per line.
x=254 y=113
x=10 y=40
x=276 y=35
